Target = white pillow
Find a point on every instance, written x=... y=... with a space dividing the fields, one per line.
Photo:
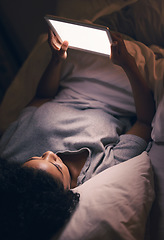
x=89 y=9
x=115 y=204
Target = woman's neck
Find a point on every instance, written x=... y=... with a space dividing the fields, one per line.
x=75 y=163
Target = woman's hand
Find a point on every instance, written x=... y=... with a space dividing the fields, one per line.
x=119 y=53
x=144 y=102
x=49 y=82
x=59 y=51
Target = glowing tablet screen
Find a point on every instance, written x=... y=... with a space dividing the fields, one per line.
x=87 y=38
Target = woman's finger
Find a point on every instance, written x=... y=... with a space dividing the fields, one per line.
x=55 y=43
x=58 y=48
x=63 y=50
x=53 y=40
x=114 y=52
x=64 y=46
x=118 y=38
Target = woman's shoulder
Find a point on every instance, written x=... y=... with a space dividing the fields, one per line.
x=37 y=102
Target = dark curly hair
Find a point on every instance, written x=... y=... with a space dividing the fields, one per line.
x=33 y=205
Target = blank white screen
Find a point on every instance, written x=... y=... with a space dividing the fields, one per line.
x=82 y=37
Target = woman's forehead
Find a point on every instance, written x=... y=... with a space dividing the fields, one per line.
x=45 y=166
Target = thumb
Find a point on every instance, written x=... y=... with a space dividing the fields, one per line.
x=63 y=50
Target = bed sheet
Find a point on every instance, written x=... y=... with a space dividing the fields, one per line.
x=24 y=85
x=90 y=9
x=123 y=21
x=142 y=21
x=28 y=77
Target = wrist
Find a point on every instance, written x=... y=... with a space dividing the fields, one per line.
x=130 y=65
x=55 y=59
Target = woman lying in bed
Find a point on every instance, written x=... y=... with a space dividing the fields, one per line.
x=61 y=141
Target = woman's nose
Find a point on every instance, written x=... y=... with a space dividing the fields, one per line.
x=49 y=155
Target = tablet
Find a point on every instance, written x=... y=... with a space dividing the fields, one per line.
x=81 y=35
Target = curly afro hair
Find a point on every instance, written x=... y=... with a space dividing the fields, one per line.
x=33 y=205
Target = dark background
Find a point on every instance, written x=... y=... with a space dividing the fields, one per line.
x=21 y=23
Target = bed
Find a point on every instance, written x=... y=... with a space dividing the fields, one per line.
x=127 y=200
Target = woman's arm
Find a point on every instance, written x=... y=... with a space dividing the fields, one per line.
x=144 y=102
x=49 y=83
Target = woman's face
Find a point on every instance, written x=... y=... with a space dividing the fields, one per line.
x=53 y=165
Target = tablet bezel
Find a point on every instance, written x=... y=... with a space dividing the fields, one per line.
x=81 y=23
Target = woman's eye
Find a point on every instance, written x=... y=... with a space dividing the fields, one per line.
x=59 y=166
